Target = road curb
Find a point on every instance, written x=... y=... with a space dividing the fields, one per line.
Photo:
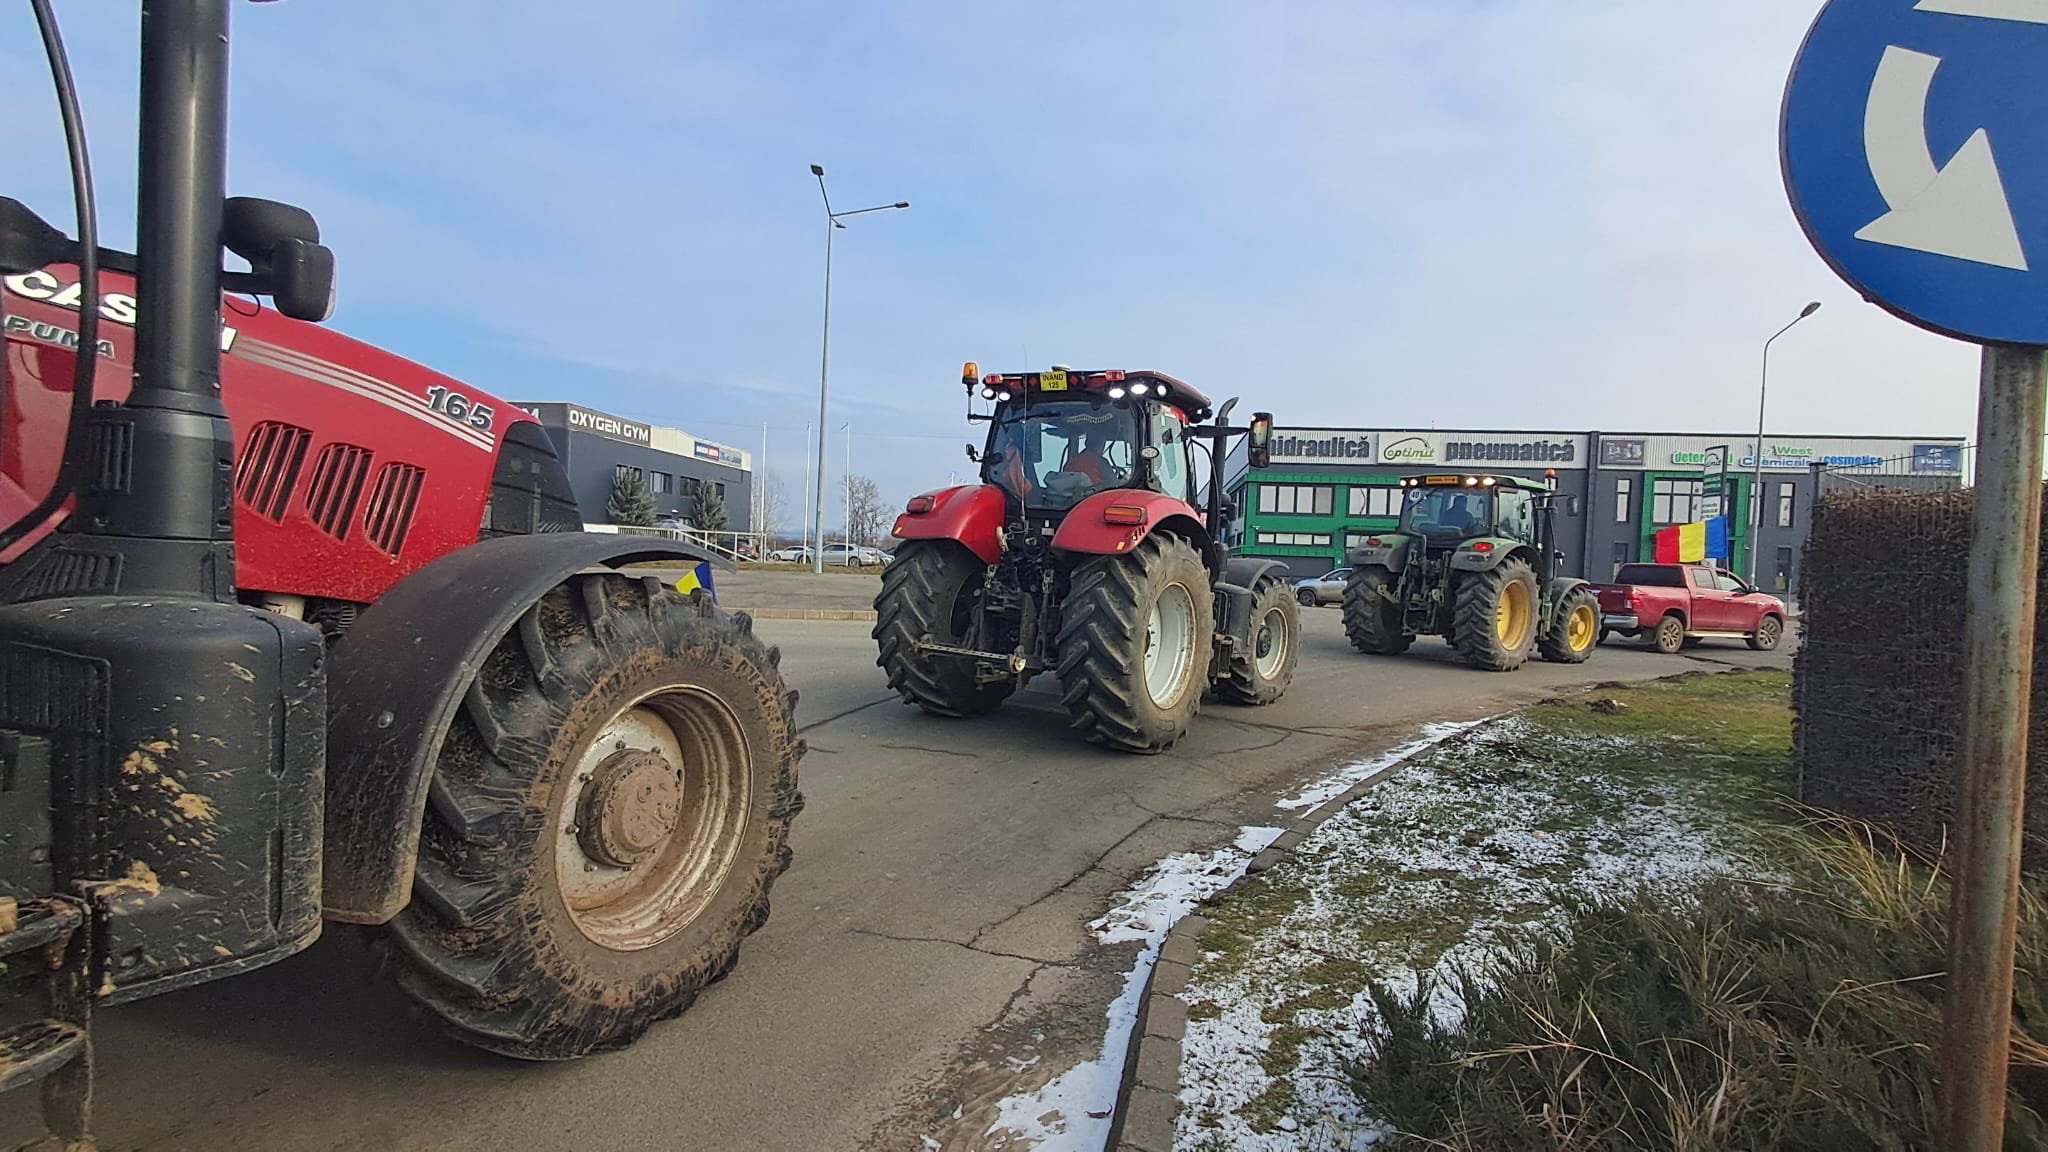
x=805 y=613
x=1149 y=1102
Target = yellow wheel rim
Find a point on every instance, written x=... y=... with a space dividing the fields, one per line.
x=1580 y=629
x=1512 y=618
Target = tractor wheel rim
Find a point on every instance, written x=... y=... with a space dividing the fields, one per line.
x=1511 y=616
x=1581 y=628
x=1269 y=644
x=1169 y=645
x=652 y=816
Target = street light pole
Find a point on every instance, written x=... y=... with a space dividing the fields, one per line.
x=1756 y=483
x=832 y=224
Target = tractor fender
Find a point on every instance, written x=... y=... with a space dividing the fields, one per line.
x=1085 y=529
x=1470 y=559
x=970 y=513
x=1391 y=554
x=1554 y=595
x=396 y=678
x=1241 y=576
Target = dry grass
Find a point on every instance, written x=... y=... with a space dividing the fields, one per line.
x=1800 y=1014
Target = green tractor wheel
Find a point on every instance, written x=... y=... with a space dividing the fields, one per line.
x=1371 y=621
x=1493 y=625
x=1574 y=629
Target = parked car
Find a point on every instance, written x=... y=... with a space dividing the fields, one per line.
x=791 y=555
x=1320 y=590
x=1674 y=605
x=852 y=554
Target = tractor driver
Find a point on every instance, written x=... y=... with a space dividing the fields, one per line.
x=1466 y=512
x=1092 y=460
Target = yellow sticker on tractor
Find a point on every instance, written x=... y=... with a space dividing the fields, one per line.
x=1052 y=381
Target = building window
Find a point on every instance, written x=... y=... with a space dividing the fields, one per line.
x=1624 y=499
x=661 y=483
x=1297 y=499
x=1784 y=570
x=1784 y=505
x=718 y=490
x=1674 y=501
x=1620 y=558
x=619 y=470
x=1379 y=500
x=1296 y=539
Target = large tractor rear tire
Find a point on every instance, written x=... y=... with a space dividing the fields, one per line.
x=1135 y=643
x=1264 y=667
x=929 y=592
x=608 y=813
x=1373 y=624
x=1574 y=629
x=1494 y=621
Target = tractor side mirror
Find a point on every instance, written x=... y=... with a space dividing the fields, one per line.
x=27 y=242
x=1259 y=445
x=286 y=259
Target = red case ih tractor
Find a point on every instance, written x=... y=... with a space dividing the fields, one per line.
x=417 y=697
x=1082 y=553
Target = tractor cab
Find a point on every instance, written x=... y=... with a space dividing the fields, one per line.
x=1058 y=437
x=1445 y=511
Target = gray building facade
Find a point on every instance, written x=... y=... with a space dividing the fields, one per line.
x=1329 y=487
x=596 y=446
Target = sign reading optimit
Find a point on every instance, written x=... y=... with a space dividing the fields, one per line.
x=1315 y=446
x=603 y=424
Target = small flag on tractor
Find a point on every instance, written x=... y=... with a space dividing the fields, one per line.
x=695 y=578
x=1681 y=544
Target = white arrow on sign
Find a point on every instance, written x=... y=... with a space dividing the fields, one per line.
x=2024 y=11
x=1958 y=211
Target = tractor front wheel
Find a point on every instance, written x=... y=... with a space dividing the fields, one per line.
x=1263 y=666
x=1493 y=624
x=1574 y=629
x=608 y=812
x=1135 y=644
x=1371 y=621
x=928 y=593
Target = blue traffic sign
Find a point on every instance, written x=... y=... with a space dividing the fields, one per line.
x=1914 y=142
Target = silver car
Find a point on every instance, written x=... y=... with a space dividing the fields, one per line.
x=1318 y=591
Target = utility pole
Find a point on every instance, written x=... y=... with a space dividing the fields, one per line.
x=1756 y=484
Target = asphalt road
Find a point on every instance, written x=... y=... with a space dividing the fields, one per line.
x=926 y=956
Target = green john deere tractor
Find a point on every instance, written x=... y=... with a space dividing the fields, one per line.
x=1475 y=561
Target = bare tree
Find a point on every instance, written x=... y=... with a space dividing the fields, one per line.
x=865 y=517
x=774 y=505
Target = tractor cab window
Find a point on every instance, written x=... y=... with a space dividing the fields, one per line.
x=1051 y=456
x=1447 y=513
x=1171 y=469
x=1515 y=520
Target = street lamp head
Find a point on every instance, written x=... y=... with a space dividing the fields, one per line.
x=1810 y=310
x=817 y=169
x=903 y=204
x=839 y=224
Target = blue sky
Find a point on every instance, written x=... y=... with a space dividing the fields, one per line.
x=1477 y=213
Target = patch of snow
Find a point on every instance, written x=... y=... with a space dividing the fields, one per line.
x=1472 y=846
x=1339 y=782
x=1071 y=1113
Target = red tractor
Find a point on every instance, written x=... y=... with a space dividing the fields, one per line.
x=293 y=629
x=1083 y=553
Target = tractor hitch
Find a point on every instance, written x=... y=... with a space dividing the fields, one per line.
x=1006 y=664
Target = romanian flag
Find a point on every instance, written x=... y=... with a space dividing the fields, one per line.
x=1681 y=544
x=695 y=578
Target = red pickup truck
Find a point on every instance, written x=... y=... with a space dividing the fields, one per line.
x=1676 y=603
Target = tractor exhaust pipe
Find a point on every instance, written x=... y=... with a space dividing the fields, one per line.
x=184 y=134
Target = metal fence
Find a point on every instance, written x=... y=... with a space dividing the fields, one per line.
x=1878 y=671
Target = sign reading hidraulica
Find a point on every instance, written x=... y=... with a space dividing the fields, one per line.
x=1321 y=446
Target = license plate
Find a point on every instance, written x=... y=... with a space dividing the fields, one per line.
x=1052 y=381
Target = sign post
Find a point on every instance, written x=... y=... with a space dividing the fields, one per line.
x=1915 y=154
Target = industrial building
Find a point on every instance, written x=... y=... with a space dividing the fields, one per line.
x=596 y=446
x=1329 y=487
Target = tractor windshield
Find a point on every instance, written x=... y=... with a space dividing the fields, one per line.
x=1051 y=456
x=1447 y=513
